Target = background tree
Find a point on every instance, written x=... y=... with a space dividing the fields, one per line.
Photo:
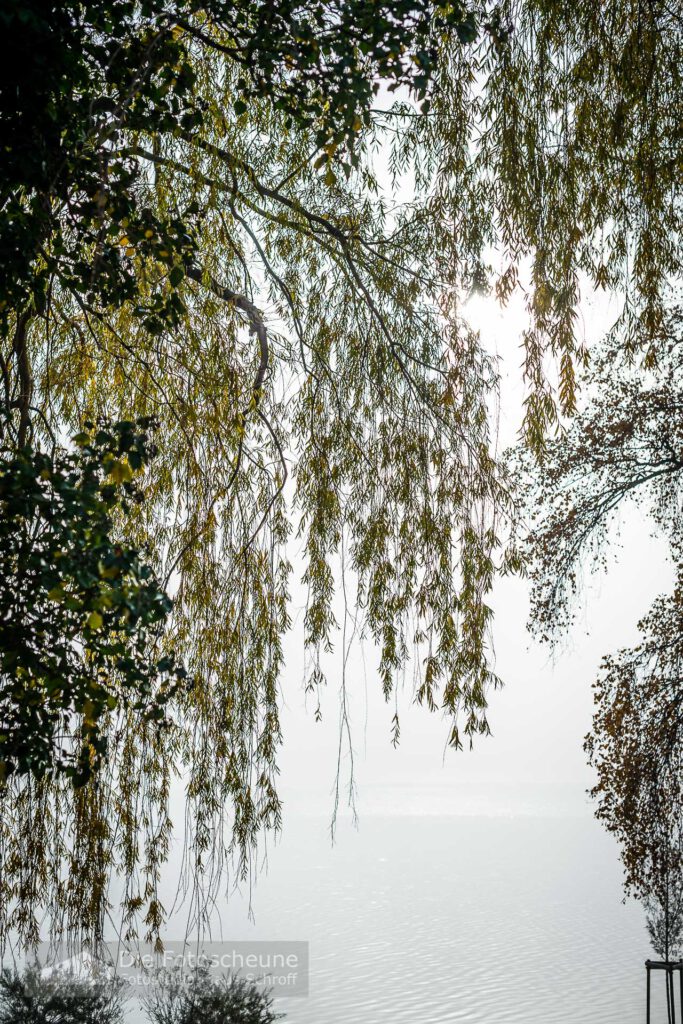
x=626 y=446
x=636 y=747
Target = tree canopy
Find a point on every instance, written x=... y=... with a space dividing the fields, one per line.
x=89 y=76
x=224 y=220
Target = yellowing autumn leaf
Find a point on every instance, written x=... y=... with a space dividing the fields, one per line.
x=120 y=471
x=95 y=620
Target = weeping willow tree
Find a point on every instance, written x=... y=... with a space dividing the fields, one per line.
x=215 y=246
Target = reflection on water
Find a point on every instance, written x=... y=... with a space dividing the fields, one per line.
x=453 y=919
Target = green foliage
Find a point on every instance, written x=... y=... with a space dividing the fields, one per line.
x=87 y=76
x=200 y=999
x=58 y=998
x=561 y=146
x=79 y=609
x=81 y=71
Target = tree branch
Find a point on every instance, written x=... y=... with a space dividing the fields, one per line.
x=252 y=314
x=25 y=376
x=258 y=327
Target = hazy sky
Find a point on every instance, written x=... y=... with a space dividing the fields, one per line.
x=534 y=762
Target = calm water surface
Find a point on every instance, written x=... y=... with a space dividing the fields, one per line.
x=453 y=919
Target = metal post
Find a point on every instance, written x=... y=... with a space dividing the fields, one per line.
x=648 y=993
x=670 y=982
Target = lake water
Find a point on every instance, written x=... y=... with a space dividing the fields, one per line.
x=478 y=920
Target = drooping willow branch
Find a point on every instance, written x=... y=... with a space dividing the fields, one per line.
x=258 y=327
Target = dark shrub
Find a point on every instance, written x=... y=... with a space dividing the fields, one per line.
x=60 y=998
x=198 y=998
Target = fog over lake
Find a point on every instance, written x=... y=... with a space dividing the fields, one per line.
x=456 y=919
x=436 y=919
